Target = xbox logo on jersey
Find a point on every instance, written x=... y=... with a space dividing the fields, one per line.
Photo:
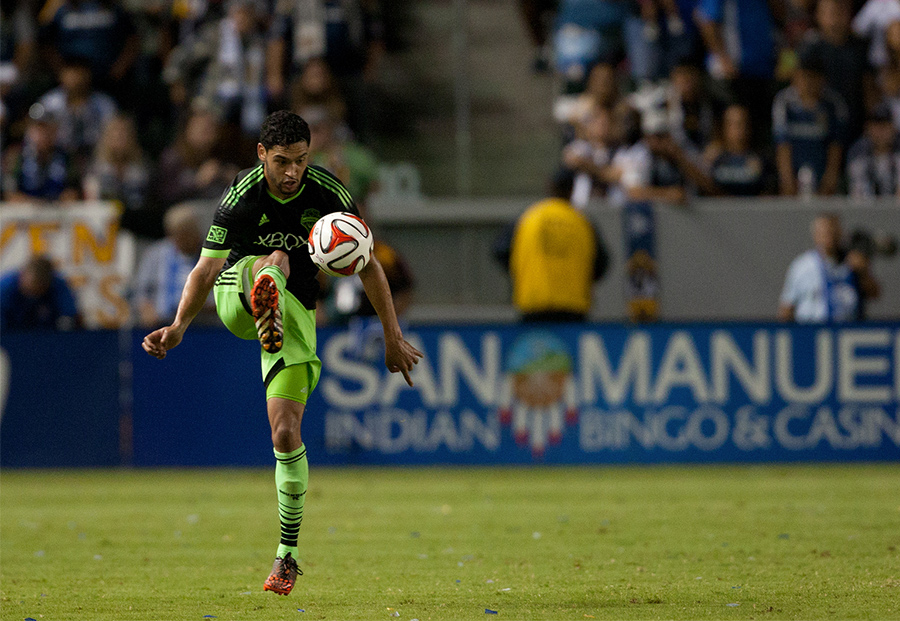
x=286 y=241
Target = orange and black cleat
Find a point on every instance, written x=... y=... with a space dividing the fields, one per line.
x=284 y=574
x=267 y=313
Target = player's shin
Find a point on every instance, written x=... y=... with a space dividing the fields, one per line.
x=291 y=478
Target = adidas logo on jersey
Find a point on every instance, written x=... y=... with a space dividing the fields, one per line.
x=263 y=220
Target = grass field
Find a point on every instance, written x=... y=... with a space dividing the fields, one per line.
x=781 y=542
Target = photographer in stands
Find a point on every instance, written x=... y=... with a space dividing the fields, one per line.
x=830 y=283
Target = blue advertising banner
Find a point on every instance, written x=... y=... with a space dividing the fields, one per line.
x=482 y=395
x=614 y=394
x=61 y=405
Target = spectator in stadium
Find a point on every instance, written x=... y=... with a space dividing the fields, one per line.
x=347 y=34
x=602 y=91
x=538 y=15
x=352 y=163
x=685 y=104
x=734 y=166
x=156 y=23
x=662 y=33
x=845 y=61
x=39 y=170
x=81 y=111
x=316 y=87
x=809 y=123
x=873 y=162
x=164 y=268
x=120 y=172
x=229 y=56
x=192 y=167
x=892 y=43
x=17 y=46
x=587 y=158
x=100 y=31
x=871 y=23
x=586 y=32
x=740 y=38
x=827 y=283
x=37 y=298
x=798 y=22
x=554 y=257
x=889 y=83
x=651 y=166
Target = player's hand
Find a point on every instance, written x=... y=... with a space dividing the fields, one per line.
x=157 y=343
x=400 y=357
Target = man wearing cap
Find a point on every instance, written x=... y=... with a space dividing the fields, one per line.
x=40 y=170
x=873 y=162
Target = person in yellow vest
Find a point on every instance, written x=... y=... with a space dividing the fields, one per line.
x=554 y=255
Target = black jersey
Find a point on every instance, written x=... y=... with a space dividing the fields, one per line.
x=250 y=220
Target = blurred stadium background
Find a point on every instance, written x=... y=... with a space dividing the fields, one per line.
x=446 y=118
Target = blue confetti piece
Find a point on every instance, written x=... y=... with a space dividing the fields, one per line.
x=488 y=611
x=300 y=610
x=210 y=617
x=784 y=536
x=30 y=619
x=736 y=587
x=458 y=581
x=732 y=605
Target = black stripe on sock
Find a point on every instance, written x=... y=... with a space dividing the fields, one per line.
x=286 y=461
x=290 y=459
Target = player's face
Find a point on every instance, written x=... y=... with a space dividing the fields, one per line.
x=284 y=167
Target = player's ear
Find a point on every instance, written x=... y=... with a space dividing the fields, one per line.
x=260 y=151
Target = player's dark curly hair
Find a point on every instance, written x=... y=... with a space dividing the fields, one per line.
x=283 y=128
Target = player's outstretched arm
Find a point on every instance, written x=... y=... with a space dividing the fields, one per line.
x=399 y=355
x=199 y=283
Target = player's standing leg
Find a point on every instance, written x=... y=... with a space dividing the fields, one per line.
x=291 y=479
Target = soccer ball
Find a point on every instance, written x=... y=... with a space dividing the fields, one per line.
x=340 y=244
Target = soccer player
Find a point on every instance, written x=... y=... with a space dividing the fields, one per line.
x=267 y=291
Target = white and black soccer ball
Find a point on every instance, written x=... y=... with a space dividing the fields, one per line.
x=340 y=244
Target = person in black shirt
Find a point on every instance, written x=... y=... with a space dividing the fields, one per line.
x=267 y=290
x=735 y=168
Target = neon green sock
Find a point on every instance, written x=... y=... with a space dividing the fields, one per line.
x=291 y=479
x=275 y=272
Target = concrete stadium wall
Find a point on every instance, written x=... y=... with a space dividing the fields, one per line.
x=718 y=259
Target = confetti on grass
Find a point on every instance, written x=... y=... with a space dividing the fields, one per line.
x=488 y=611
x=732 y=605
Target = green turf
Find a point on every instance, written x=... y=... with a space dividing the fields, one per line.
x=534 y=543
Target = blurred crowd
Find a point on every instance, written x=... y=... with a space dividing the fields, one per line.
x=668 y=99
x=154 y=104
x=197 y=77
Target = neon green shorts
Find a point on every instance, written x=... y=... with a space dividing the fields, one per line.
x=293 y=372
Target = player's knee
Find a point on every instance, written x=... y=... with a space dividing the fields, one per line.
x=286 y=436
x=281 y=259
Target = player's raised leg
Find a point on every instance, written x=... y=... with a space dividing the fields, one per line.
x=291 y=476
x=270 y=274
